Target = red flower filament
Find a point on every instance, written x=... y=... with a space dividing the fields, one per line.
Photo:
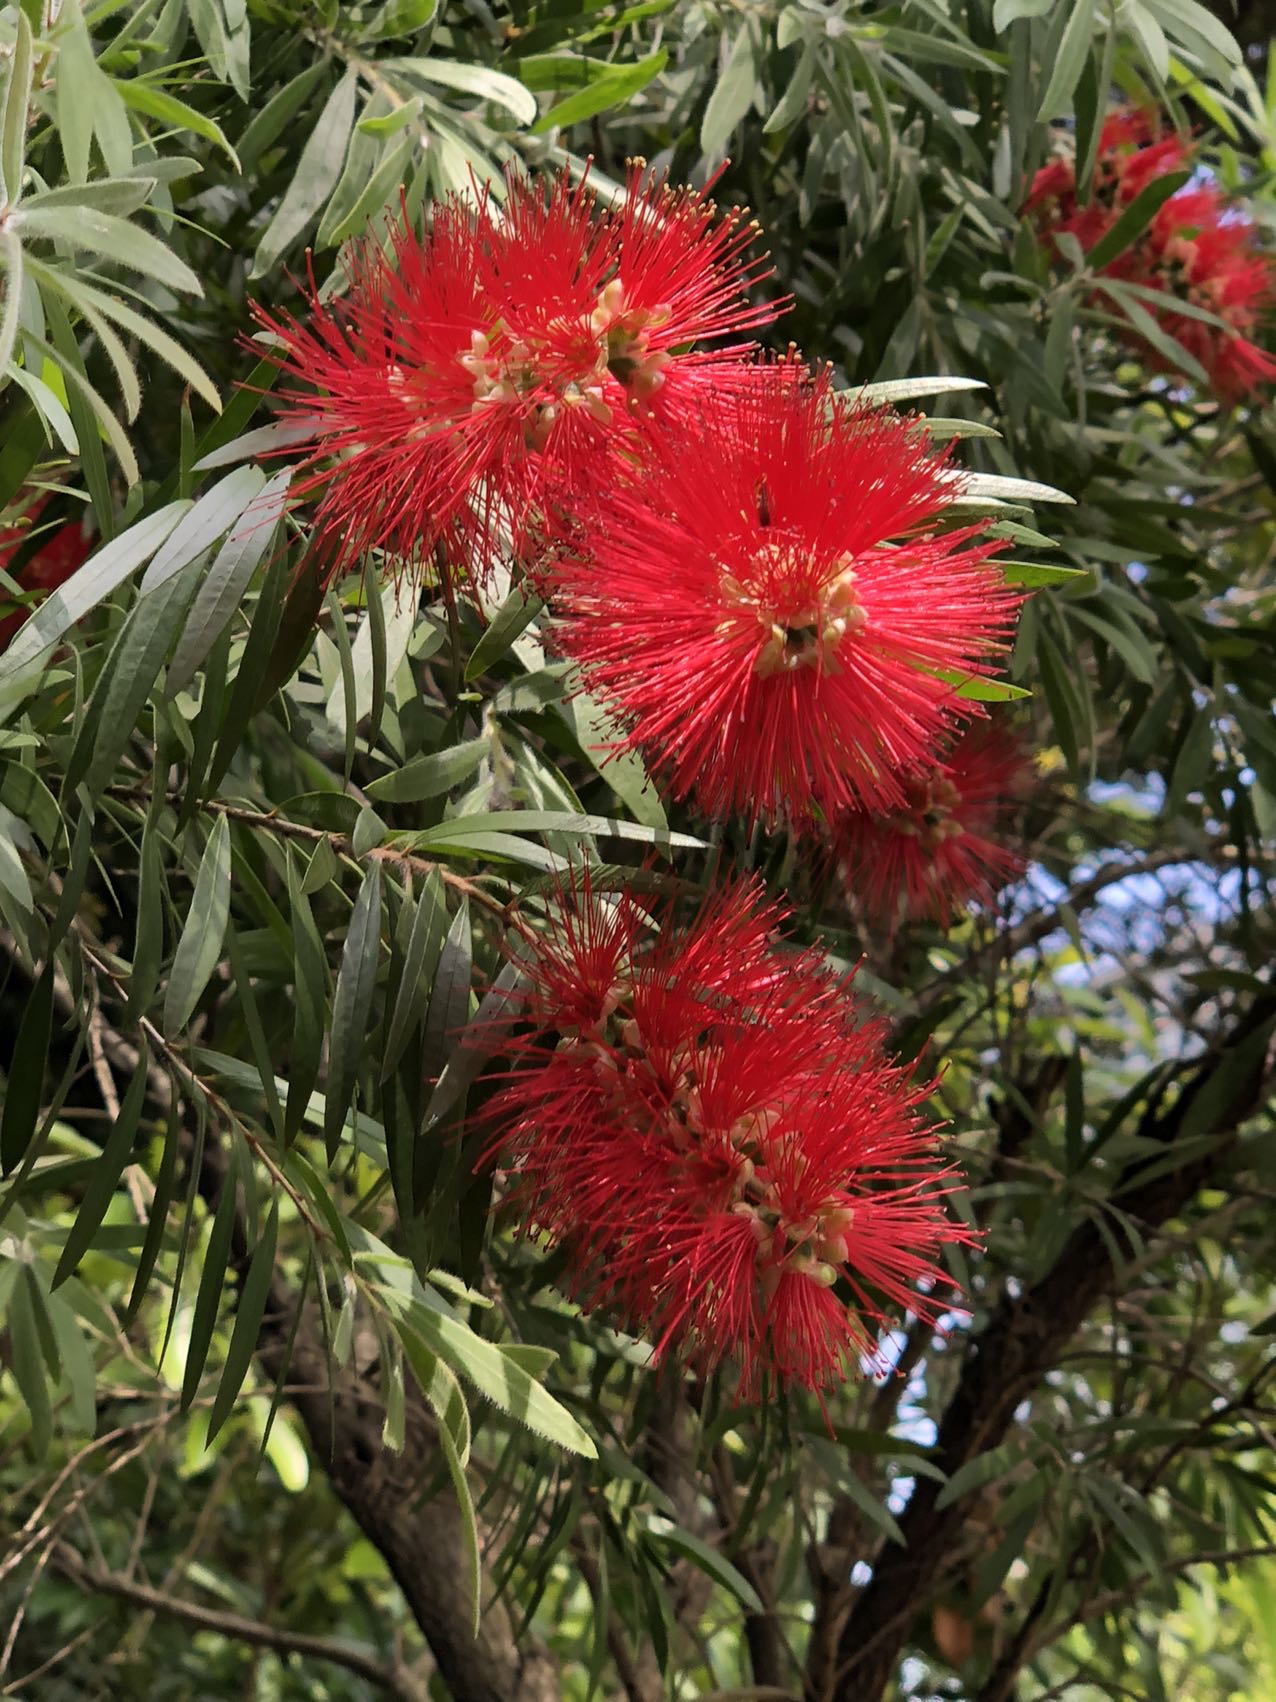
x=729 y=1160
x=766 y=610
x=49 y=566
x=943 y=848
x=1196 y=249
x=477 y=378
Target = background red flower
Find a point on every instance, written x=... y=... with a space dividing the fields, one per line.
x=1196 y=249
x=52 y=563
x=945 y=845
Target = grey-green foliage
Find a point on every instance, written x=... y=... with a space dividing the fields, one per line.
x=259 y=851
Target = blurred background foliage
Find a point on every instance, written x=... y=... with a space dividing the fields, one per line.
x=275 y=1397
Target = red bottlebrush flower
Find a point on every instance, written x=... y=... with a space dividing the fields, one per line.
x=725 y=1155
x=942 y=848
x=1196 y=249
x=1134 y=149
x=57 y=558
x=1202 y=251
x=476 y=378
x=765 y=607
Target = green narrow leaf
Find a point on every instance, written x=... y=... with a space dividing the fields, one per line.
x=663 y=1533
x=1135 y=219
x=984 y=1468
x=352 y=1006
x=119 y=195
x=97 y=305
x=310 y=990
x=399 y=17
x=913 y=389
x=431 y=775
x=158 y=1221
x=148 y=939
x=244 y=692
x=241 y=978
x=617 y=88
x=349 y=688
x=125 y=683
x=478 y=80
x=425 y=1368
x=471 y=1050
x=1166 y=345
x=1034 y=574
x=212 y=516
x=732 y=94
x=73 y=880
x=1129 y=643
x=317 y=172
x=278 y=112
x=200 y=946
x=212 y=1285
x=413 y=970
x=79 y=1374
x=154 y=102
x=17 y=101
x=1074 y=46
x=91 y=585
x=500 y=1379
x=10 y=317
x=222 y=588
x=394 y=1393
x=27 y=1359
x=623 y=770
x=105 y=1175
x=25 y=1086
x=294 y=635
x=449 y=998
x=378 y=661
x=122 y=241
x=248 y=1316
x=76 y=77
x=511 y=620
x=88 y=435
x=379 y=190
x=1191 y=765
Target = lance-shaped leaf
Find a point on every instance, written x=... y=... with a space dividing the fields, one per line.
x=105 y=1175
x=200 y=946
x=248 y=1315
x=352 y=1006
x=91 y=585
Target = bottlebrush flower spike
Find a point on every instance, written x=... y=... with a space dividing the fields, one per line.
x=718 y=1144
x=766 y=609
x=478 y=377
x=1134 y=149
x=1196 y=249
x=51 y=565
x=944 y=847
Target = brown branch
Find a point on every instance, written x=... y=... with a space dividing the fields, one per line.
x=1132 y=1591
x=269 y=821
x=397 y=1682
x=1028 y=1641
x=1007 y=942
x=1023 y=1340
x=635 y=1682
x=424 y=1545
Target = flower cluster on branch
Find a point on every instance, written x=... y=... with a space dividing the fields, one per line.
x=770 y=588
x=1196 y=250
x=709 y=1126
